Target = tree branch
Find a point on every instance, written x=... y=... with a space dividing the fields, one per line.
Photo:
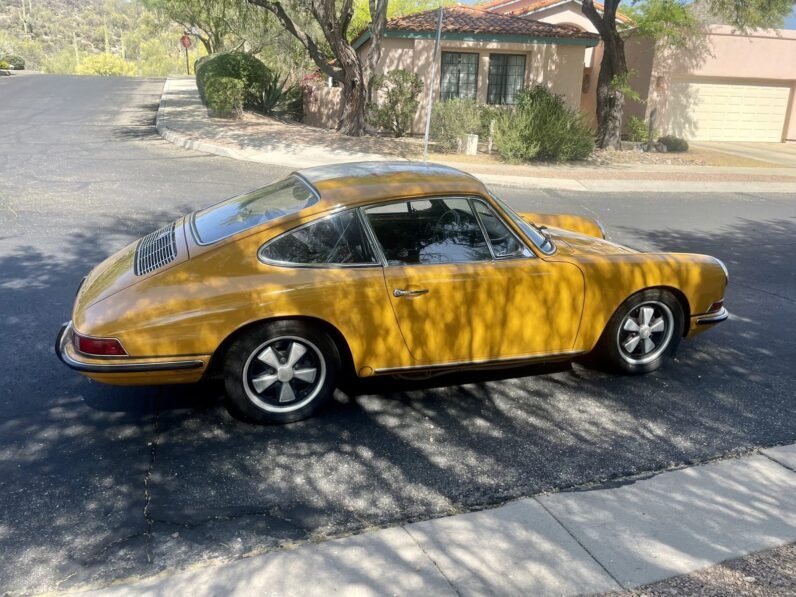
x=587 y=6
x=378 y=20
x=275 y=7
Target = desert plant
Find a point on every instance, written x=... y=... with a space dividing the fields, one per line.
x=105 y=65
x=674 y=144
x=237 y=65
x=541 y=126
x=279 y=99
x=14 y=62
x=637 y=130
x=225 y=96
x=451 y=120
x=4 y=65
x=396 y=94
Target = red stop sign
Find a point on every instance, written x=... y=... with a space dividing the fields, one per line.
x=185 y=40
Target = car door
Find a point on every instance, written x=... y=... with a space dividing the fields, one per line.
x=464 y=287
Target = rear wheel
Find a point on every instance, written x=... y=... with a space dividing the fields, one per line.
x=643 y=333
x=280 y=372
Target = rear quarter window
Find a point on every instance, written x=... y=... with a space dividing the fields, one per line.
x=334 y=240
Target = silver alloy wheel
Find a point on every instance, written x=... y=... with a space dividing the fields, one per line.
x=645 y=332
x=284 y=374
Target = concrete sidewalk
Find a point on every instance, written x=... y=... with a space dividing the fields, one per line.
x=568 y=543
x=183 y=120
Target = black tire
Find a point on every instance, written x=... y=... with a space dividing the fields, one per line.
x=257 y=369
x=646 y=348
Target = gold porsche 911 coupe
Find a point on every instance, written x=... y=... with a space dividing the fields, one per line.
x=374 y=269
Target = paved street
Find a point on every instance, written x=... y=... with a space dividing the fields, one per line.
x=100 y=483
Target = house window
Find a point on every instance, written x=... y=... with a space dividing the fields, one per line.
x=506 y=77
x=459 y=75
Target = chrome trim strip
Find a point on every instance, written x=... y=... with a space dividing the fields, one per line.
x=374 y=243
x=192 y=217
x=60 y=350
x=486 y=362
x=722 y=315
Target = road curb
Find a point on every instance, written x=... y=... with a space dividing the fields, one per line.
x=640 y=185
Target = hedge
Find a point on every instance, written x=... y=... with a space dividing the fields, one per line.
x=224 y=96
x=236 y=65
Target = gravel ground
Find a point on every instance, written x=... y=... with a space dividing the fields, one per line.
x=763 y=574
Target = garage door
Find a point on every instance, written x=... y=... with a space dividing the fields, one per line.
x=704 y=111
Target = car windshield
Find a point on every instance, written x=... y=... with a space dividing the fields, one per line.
x=252 y=209
x=538 y=238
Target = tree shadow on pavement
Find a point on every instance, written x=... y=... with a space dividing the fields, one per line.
x=108 y=482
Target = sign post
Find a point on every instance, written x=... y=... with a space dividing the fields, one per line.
x=185 y=41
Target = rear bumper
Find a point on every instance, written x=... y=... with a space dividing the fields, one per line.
x=128 y=370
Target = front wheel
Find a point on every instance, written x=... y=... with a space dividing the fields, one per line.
x=280 y=372
x=643 y=333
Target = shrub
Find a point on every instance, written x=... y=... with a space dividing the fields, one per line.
x=237 y=65
x=396 y=93
x=280 y=100
x=488 y=114
x=541 y=126
x=4 y=65
x=674 y=144
x=224 y=96
x=105 y=65
x=15 y=62
x=637 y=130
x=452 y=119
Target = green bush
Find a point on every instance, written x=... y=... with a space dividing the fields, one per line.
x=396 y=106
x=15 y=62
x=224 y=96
x=637 y=130
x=452 y=119
x=674 y=144
x=280 y=100
x=4 y=65
x=105 y=65
x=488 y=114
x=541 y=126
x=237 y=65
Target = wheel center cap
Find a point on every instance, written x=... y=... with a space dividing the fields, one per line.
x=284 y=374
x=645 y=332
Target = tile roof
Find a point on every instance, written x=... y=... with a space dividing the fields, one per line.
x=520 y=7
x=466 y=19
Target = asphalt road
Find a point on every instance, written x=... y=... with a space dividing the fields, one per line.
x=100 y=483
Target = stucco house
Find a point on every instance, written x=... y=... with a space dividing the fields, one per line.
x=485 y=56
x=730 y=87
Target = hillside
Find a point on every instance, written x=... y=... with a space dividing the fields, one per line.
x=54 y=35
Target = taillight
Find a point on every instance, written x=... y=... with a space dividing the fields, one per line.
x=106 y=347
x=716 y=306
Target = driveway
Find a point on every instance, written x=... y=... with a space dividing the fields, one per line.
x=781 y=154
x=99 y=483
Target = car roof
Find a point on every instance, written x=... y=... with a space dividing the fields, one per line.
x=363 y=182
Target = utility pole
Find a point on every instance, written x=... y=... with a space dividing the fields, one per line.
x=430 y=103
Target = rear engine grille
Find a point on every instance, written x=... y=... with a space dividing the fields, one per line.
x=155 y=250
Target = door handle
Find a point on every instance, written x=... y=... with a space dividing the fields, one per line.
x=399 y=292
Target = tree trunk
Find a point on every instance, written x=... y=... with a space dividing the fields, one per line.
x=354 y=96
x=610 y=99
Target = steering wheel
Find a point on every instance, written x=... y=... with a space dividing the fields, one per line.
x=450 y=217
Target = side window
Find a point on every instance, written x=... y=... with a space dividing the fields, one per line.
x=503 y=241
x=428 y=231
x=336 y=240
